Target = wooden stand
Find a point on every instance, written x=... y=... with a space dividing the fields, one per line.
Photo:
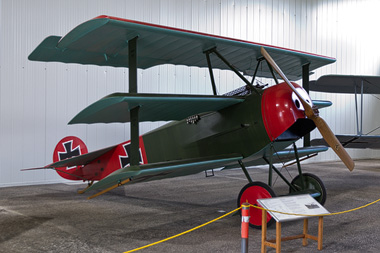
x=276 y=243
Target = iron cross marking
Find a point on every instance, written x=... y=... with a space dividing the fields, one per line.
x=69 y=152
x=126 y=160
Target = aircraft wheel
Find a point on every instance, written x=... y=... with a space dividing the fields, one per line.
x=250 y=193
x=312 y=183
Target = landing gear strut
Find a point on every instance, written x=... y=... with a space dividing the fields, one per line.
x=303 y=183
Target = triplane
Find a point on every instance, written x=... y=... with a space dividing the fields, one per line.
x=248 y=126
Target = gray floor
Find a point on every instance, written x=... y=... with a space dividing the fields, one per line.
x=53 y=218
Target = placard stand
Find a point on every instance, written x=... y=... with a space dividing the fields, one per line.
x=285 y=208
x=276 y=243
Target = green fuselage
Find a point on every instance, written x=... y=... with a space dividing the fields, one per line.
x=238 y=129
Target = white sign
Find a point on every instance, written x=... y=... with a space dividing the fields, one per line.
x=295 y=204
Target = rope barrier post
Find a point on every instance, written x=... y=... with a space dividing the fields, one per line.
x=244 y=226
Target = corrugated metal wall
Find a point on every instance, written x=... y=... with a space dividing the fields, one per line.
x=38 y=99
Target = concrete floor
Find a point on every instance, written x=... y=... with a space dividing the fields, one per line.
x=53 y=218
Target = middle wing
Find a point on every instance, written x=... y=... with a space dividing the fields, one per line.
x=153 y=107
x=322 y=103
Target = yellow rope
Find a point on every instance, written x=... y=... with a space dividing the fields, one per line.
x=188 y=231
x=233 y=211
x=313 y=215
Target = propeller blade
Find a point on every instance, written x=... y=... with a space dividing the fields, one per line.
x=308 y=109
x=333 y=142
x=322 y=126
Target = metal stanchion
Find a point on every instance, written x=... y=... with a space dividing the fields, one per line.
x=244 y=227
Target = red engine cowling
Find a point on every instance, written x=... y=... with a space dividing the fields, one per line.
x=281 y=108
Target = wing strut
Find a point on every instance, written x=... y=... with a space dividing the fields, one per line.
x=213 y=50
x=259 y=60
x=305 y=85
x=271 y=71
x=134 y=112
x=210 y=70
x=359 y=129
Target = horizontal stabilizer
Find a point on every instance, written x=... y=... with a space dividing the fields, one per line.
x=153 y=107
x=163 y=170
x=81 y=159
x=36 y=168
x=347 y=84
x=283 y=156
x=354 y=141
x=103 y=41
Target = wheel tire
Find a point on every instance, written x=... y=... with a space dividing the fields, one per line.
x=251 y=193
x=312 y=182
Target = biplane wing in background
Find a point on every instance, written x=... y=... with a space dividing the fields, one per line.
x=350 y=84
x=242 y=126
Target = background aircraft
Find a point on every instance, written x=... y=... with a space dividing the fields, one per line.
x=358 y=85
x=244 y=127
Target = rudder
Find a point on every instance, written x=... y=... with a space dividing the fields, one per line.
x=68 y=147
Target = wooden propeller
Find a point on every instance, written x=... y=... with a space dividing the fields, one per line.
x=322 y=126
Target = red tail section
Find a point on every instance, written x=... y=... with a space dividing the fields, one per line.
x=95 y=165
x=68 y=147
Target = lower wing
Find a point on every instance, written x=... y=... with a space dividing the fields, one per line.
x=160 y=170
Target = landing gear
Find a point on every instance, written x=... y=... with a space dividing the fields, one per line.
x=251 y=193
x=311 y=184
x=304 y=183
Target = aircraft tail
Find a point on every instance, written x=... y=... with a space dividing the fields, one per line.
x=72 y=161
x=66 y=148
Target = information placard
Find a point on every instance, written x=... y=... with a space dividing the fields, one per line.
x=295 y=204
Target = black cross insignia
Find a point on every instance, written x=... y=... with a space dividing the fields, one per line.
x=125 y=160
x=69 y=152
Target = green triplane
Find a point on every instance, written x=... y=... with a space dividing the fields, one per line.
x=249 y=126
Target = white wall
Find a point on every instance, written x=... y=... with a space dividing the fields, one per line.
x=38 y=99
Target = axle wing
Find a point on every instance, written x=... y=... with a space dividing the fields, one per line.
x=282 y=156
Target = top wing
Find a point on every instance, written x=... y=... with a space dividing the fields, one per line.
x=153 y=107
x=103 y=41
x=347 y=84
